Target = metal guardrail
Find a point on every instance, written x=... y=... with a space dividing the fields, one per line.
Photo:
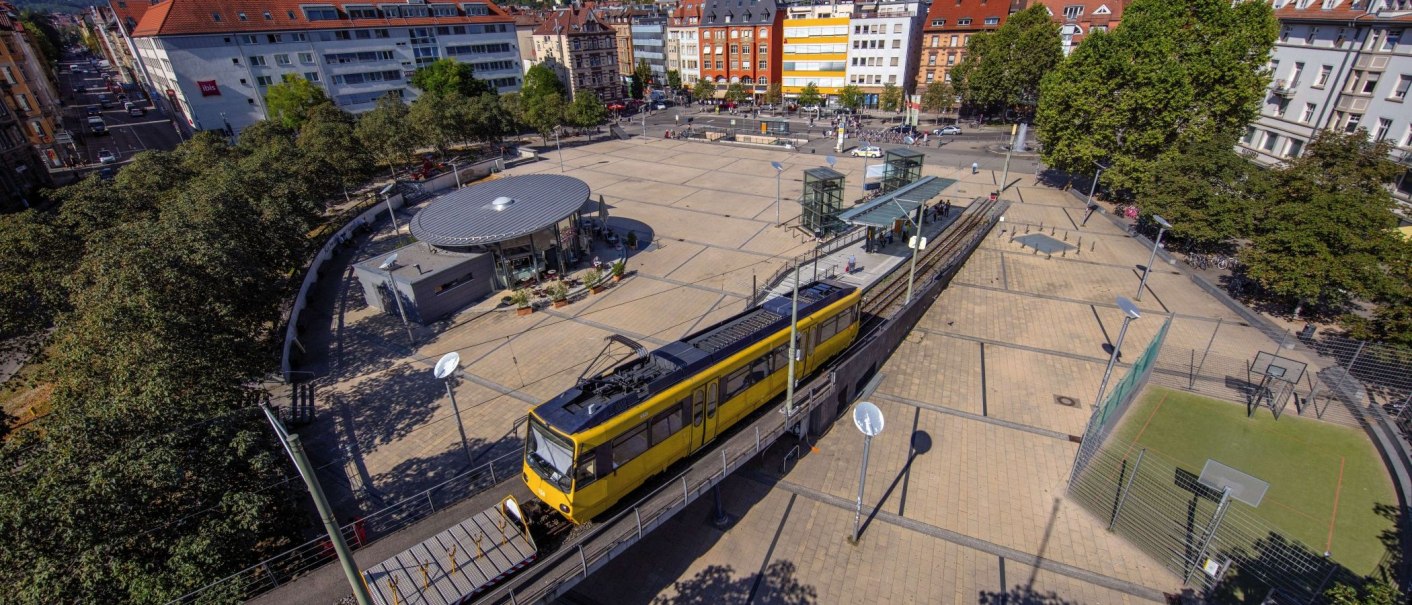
x=290 y=564
x=847 y=238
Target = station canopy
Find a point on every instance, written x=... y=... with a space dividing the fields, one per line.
x=499 y=210
x=888 y=208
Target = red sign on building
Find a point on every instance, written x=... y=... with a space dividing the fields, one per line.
x=209 y=88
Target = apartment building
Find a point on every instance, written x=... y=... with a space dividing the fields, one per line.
x=649 y=44
x=1342 y=65
x=741 y=42
x=815 y=48
x=619 y=18
x=214 y=61
x=1078 y=18
x=582 y=49
x=884 y=42
x=949 y=26
x=684 y=42
x=29 y=95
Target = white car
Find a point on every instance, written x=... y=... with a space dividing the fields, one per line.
x=106 y=157
x=867 y=151
x=947 y=130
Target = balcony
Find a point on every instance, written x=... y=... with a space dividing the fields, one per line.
x=1284 y=88
x=1402 y=156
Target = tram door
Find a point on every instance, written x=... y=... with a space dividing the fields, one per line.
x=703 y=415
x=806 y=342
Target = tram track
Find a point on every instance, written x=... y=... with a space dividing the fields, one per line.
x=885 y=297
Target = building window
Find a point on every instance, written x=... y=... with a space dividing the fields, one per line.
x=216 y=17
x=263 y=80
x=1351 y=122
x=931 y=60
x=306 y=58
x=1271 y=139
x=258 y=60
x=1370 y=83
x=992 y=20
x=1313 y=33
x=1384 y=125
x=282 y=60
x=1295 y=146
x=312 y=76
x=938 y=22
x=954 y=40
x=1393 y=38
x=963 y=21
x=1400 y=92
x=1323 y=78
x=268 y=16
x=1073 y=11
x=250 y=39
x=241 y=16
x=1308 y=113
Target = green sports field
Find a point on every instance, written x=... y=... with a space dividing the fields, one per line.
x=1325 y=479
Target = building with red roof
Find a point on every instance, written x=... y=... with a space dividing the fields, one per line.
x=581 y=48
x=214 y=60
x=948 y=26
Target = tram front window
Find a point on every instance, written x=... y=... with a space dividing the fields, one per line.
x=550 y=455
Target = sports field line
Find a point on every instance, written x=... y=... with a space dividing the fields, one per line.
x=1328 y=546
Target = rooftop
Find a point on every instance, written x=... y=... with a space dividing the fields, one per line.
x=499 y=210
x=186 y=17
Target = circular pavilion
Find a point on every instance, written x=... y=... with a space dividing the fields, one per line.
x=529 y=225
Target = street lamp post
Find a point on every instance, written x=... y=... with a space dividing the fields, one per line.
x=779 y=171
x=392 y=214
x=456 y=172
x=1091 y=189
x=386 y=267
x=560 y=148
x=1162 y=227
x=445 y=370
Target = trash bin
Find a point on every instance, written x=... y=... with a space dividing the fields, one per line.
x=1307 y=333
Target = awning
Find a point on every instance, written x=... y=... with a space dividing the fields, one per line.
x=885 y=210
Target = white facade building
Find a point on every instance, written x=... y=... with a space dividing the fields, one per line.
x=884 y=46
x=215 y=63
x=1343 y=65
x=684 y=41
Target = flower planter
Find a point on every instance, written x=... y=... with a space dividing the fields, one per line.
x=560 y=303
x=522 y=311
x=617 y=278
x=596 y=289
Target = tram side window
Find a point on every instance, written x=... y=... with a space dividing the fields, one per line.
x=735 y=383
x=587 y=469
x=666 y=424
x=827 y=329
x=779 y=357
x=759 y=369
x=629 y=445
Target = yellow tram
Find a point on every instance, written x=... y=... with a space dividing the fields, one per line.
x=596 y=442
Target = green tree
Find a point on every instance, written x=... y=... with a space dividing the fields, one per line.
x=736 y=93
x=643 y=71
x=331 y=149
x=586 y=110
x=36 y=254
x=1209 y=193
x=540 y=80
x=1328 y=224
x=440 y=120
x=1004 y=68
x=512 y=103
x=1372 y=593
x=1174 y=71
x=810 y=96
x=851 y=97
x=938 y=98
x=386 y=132
x=891 y=98
x=489 y=118
x=673 y=79
x=445 y=76
x=704 y=89
x=46 y=38
x=183 y=484
x=289 y=101
x=774 y=93
x=544 y=113
x=1392 y=319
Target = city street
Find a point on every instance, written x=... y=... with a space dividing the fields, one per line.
x=126 y=134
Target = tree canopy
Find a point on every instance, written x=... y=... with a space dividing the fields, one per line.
x=938 y=97
x=386 y=132
x=810 y=96
x=1209 y=193
x=673 y=79
x=704 y=89
x=586 y=110
x=445 y=76
x=540 y=80
x=290 y=100
x=153 y=474
x=736 y=93
x=851 y=97
x=440 y=120
x=329 y=144
x=1174 y=72
x=890 y=99
x=1004 y=68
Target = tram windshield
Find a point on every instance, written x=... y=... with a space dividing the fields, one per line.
x=550 y=455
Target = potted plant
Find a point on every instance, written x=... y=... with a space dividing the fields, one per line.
x=559 y=293
x=591 y=278
x=521 y=299
x=618 y=271
x=632 y=240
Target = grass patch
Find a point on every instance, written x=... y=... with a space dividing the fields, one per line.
x=1325 y=479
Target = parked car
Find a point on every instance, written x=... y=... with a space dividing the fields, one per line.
x=947 y=130
x=133 y=109
x=867 y=151
x=107 y=173
x=91 y=111
x=907 y=129
x=106 y=157
x=105 y=100
x=97 y=125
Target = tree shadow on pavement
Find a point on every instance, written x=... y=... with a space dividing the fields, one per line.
x=777 y=584
x=1022 y=595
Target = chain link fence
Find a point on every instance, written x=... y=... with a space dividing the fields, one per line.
x=1219 y=545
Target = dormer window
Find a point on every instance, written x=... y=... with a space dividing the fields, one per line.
x=291 y=16
x=241 y=16
x=268 y=16
x=476 y=9
x=963 y=21
x=216 y=17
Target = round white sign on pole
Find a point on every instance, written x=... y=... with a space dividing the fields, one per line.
x=868 y=418
x=447 y=365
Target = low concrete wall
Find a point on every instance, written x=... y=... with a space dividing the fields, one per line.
x=311 y=275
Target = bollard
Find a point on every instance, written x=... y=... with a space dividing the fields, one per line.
x=1027 y=228
x=1066 y=235
x=1091 y=245
x=1051 y=229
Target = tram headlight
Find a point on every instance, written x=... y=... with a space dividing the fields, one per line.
x=564 y=508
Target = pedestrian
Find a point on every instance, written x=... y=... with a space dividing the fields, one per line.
x=946 y=210
x=975 y=167
x=852 y=263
